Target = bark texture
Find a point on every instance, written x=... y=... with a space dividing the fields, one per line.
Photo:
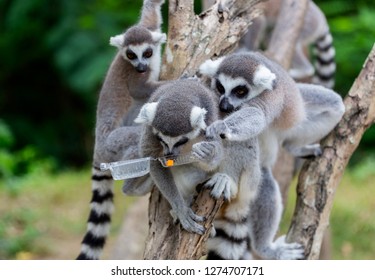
x=319 y=178
x=191 y=40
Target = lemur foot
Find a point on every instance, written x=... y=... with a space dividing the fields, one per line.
x=222 y=185
x=308 y=151
x=280 y=250
x=289 y=251
x=188 y=220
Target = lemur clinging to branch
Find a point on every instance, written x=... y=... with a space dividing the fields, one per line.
x=130 y=80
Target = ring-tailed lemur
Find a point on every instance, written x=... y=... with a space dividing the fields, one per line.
x=315 y=32
x=175 y=120
x=263 y=101
x=129 y=82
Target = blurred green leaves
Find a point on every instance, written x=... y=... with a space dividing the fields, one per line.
x=54 y=55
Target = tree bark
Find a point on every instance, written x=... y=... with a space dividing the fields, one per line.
x=281 y=49
x=319 y=178
x=191 y=40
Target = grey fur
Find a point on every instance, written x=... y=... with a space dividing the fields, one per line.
x=175 y=102
x=124 y=91
x=279 y=112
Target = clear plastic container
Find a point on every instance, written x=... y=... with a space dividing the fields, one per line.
x=128 y=169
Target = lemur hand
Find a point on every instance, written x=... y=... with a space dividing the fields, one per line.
x=217 y=129
x=209 y=152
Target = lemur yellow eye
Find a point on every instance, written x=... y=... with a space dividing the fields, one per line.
x=130 y=55
x=147 y=53
x=240 y=91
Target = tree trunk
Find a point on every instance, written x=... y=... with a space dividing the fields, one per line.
x=320 y=177
x=191 y=40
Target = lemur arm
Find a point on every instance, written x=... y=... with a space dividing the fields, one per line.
x=240 y=125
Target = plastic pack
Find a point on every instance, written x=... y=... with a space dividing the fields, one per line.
x=128 y=169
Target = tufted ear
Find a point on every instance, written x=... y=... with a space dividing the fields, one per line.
x=209 y=67
x=197 y=116
x=158 y=37
x=264 y=78
x=117 y=41
x=147 y=113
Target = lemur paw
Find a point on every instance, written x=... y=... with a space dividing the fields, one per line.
x=307 y=151
x=189 y=220
x=222 y=185
x=288 y=251
x=217 y=129
x=210 y=153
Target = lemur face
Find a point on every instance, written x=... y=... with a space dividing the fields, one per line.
x=235 y=90
x=175 y=131
x=174 y=146
x=139 y=56
x=138 y=46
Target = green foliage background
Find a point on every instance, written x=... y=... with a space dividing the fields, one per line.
x=53 y=58
x=54 y=55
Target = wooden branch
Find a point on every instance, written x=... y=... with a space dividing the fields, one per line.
x=285 y=34
x=167 y=241
x=191 y=40
x=320 y=177
x=281 y=49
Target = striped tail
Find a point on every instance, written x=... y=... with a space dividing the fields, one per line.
x=325 y=66
x=230 y=240
x=99 y=220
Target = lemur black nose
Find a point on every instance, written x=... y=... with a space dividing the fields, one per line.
x=141 y=68
x=225 y=106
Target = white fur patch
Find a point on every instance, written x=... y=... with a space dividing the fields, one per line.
x=237 y=230
x=230 y=83
x=226 y=249
x=197 y=116
x=158 y=37
x=100 y=230
x=90 y=252
x=147 y=113
x=209 y=67
x=105 y=207
x=117 y=41
x=264 y=78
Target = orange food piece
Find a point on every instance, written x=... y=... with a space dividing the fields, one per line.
x=170 y=162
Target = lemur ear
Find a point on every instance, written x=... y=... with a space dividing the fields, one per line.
x=117 y=41
x=210 y=67
x=147 y=113
x=197 y=116
x=264 y=78
x=158 y=37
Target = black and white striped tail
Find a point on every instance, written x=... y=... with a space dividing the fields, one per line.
x=325 y=66
x=99 y=220
x=230 y=240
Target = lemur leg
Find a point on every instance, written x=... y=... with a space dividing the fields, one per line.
x=265 y=215
x=324 y=109
x=230 y=239
x=301 y=67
